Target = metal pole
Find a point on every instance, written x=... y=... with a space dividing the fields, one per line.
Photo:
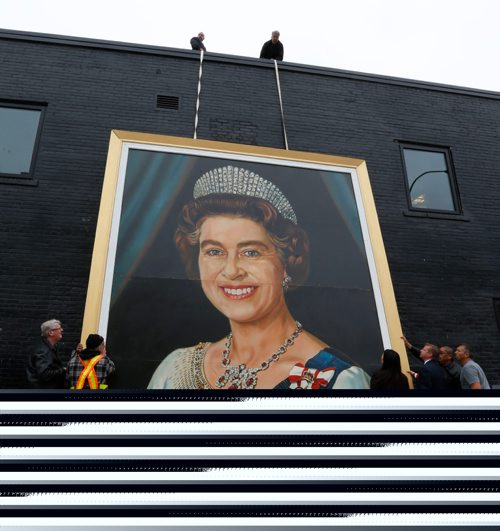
x=198 y=96
x=281 y=102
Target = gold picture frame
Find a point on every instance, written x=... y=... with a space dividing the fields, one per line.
x=122 y=143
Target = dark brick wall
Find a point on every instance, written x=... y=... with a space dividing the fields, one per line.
x=445 y=271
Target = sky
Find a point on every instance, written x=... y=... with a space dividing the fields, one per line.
x=455 y=42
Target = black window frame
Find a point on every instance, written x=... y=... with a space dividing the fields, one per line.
x=29 y=177
x=446 y=151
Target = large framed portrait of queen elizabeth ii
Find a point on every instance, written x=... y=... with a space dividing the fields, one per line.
x=225 y=266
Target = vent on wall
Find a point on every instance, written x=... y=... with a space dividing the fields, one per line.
x=167 y=102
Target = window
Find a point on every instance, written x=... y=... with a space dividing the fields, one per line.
x=429 y=179
x=19 y=134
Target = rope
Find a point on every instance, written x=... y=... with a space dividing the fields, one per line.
x=198 y=97
x=281 y=102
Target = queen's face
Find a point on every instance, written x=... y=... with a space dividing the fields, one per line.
x=241 y=272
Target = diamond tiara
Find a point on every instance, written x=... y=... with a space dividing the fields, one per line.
x=238 y=181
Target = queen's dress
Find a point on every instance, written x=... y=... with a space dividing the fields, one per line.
x=328 y=369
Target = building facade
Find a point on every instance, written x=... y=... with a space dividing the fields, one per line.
x=431 y=150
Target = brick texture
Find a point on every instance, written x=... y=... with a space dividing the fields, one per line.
x=445 y=271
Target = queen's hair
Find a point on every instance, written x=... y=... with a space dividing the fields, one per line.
x=47 y=326
x=290 y=240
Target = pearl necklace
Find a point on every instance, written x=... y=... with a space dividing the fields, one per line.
x=243 y=377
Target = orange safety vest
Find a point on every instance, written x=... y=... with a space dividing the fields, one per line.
x=89 y=373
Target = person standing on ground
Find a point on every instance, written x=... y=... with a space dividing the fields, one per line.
x=45 y=370
x=197 y=42
x=431 y=376
x=451 y=367
x=91 y=368
x=472 y=375
x=389 y=376
x=273 y=49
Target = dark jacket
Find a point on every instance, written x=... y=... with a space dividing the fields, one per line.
x=452 y=372
x=272 y=51
x=45 y=370
x=389 y=380
x=431 y=376
x=196 y=44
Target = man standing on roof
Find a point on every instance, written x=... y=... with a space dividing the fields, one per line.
x=197 y=42
x=273 y=49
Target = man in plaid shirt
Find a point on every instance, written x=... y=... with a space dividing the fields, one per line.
x=90 y=368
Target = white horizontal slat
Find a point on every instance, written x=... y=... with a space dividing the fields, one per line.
x=383 y=521
x=248 y=498
x=407 y=450
x=258 y=404
x=253 y=428
x=354 y=473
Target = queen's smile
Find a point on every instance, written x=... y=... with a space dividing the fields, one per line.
x=241 y=292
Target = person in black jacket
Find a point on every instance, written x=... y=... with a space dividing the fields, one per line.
x=431 y=376
x=45 y=370
x=197 y=42
x=389 y=377
x=273 y=49
x=451 y=367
